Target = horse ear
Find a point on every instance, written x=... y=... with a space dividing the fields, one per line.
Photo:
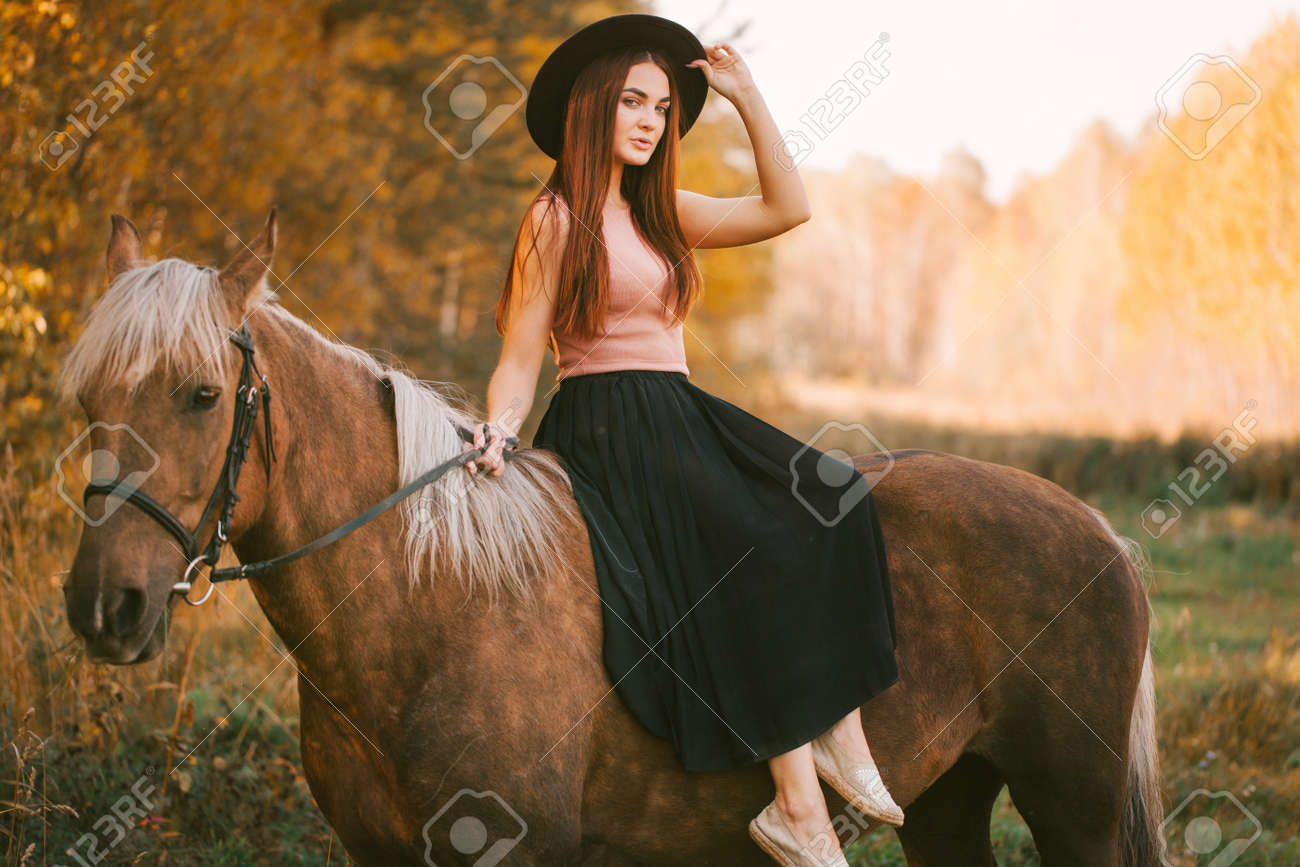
x=125 y=250
x=249 y=266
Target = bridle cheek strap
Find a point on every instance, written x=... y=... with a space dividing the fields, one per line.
x=223 y=494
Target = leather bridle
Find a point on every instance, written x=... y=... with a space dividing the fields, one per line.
x=246 y=409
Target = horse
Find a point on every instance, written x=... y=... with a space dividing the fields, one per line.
x=454 y=703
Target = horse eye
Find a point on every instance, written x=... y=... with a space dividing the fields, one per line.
x=205 y=396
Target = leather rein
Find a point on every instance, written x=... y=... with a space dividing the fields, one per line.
x=246 y=409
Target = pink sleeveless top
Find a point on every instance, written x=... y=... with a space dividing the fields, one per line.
x=639 y=330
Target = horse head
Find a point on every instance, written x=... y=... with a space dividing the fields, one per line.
x=155 y=371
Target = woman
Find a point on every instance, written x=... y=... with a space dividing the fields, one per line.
x=738 y=624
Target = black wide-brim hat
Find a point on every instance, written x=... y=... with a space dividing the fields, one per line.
x=549 y=94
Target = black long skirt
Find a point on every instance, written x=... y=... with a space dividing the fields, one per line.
x=746 y=600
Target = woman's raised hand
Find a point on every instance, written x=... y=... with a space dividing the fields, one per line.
x=725 y=70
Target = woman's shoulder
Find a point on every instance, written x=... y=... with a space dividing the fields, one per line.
x=547 y=222
x=549 y=209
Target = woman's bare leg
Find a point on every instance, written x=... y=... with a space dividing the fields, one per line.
x=848 y=734
x=800 y=800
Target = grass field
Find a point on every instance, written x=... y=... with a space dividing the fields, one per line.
x=1225 y=592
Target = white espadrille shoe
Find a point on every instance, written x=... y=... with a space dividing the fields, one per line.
x=859 y=784
x=775 y=837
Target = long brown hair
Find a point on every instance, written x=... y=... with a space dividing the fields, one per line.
x=581 y=179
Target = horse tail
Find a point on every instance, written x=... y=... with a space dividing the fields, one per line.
x=1141 y=842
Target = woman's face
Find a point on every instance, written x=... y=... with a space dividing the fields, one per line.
x=642 y=113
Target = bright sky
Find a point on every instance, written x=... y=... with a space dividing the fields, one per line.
x=1014 y=83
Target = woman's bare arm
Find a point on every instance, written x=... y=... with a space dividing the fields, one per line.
x=733 y=222
x=528 y=327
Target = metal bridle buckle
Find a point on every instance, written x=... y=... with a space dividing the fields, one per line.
x=184 y=585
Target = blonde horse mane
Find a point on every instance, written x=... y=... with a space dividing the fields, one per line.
x=495 y=534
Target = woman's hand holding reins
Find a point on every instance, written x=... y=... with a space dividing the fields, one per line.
x=492 y=460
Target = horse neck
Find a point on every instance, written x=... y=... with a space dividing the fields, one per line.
x=336 y=454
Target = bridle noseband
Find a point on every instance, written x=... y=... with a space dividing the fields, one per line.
x=246 y=409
